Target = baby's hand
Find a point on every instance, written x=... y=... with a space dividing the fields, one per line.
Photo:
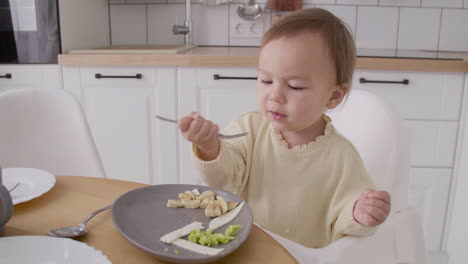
x=372 y=207
x=201 y=132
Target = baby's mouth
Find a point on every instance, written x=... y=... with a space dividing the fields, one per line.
x=276 y=115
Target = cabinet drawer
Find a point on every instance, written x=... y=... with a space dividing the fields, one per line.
x=206 y=77
x=428 y=96
x=119 y=77
x=30 y=76
x=433 y=143
x=429 y=194
x=223 y=100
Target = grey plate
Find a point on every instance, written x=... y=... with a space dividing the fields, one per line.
x=142 y=217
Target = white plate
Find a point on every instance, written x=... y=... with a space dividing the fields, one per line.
x=33 y=183
x=44 y=249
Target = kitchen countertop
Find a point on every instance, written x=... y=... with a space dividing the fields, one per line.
x=248 y=57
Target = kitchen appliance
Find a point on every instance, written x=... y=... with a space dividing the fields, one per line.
x=29 y=31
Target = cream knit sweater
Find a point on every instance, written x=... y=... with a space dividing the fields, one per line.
x=305 y=194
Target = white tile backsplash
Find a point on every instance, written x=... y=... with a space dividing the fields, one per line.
x=377 y=27
x=345 y=13
x=161 y=19
x=128 y=24
x=357 y=2
x=388 y=24
x=442 y=3
x=326 y=2
x=453 y=36
x=205 y=31
x=419 y=28
x=400 y=2
x=146 y=1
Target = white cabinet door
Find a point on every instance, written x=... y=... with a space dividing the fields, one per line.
x=427 y=96
x=14 y=76
x=433 y=143
x=120 y=104
x=220 y=100
x=429 y=193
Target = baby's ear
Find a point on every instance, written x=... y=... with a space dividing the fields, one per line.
x=338 y=94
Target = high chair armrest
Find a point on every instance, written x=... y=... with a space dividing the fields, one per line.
x=398 y=240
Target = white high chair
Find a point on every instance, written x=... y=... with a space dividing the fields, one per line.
x=46 y=129
x=382 y=141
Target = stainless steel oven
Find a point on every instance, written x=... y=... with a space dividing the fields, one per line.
x=29 y=31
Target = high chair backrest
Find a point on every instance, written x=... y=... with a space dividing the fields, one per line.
x=46 y=129
x=379 y=135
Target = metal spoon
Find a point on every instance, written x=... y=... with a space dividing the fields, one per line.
x=250 y=11
x=76 y=231
x=219 y=134
x=14 y=187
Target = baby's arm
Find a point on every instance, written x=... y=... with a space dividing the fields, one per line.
x=203 y=133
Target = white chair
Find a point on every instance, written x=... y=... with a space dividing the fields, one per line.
x=46 y=129
x=382 y=141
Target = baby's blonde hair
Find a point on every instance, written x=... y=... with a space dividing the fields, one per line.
x=333 y=30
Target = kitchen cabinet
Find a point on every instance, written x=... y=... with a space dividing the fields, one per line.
x=430 y=105
x=120 y=104
x=44 y=76
x=219 y=100
x=134 y=146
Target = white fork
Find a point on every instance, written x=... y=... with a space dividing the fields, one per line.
x=219 y=134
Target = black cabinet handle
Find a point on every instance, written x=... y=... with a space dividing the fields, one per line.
x=136 y=76
x=219 y=77
x=364 y=80
x=6 y=76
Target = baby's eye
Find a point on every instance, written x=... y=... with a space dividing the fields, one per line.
x=266 y=82
x=295 y=88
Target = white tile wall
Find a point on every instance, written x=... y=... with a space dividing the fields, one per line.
x=419 y=28
x=357 y=2
x=442 y=3
x=205 y=31
x=400 y=3
x=304 y=2
x=377 y=27
x=146 y=1
x=453 y=36
x=345 y=13
x=161 y=19
x=389 y=24
x=128 y=24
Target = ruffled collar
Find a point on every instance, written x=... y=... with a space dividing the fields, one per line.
x=278 y=138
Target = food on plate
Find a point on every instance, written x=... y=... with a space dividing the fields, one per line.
x=181 y=232
x=213 y=204
x=185 y=244
x=207 y=238
x=232 y=230
x=226 y=218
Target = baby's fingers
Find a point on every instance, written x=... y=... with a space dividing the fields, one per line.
x=377 y=214
x=383 y=205
x=184 y=123
x=380 y=195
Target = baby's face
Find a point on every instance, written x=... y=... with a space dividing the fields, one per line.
x=296 y=79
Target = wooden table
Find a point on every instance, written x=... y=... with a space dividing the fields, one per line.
x=73 y=197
